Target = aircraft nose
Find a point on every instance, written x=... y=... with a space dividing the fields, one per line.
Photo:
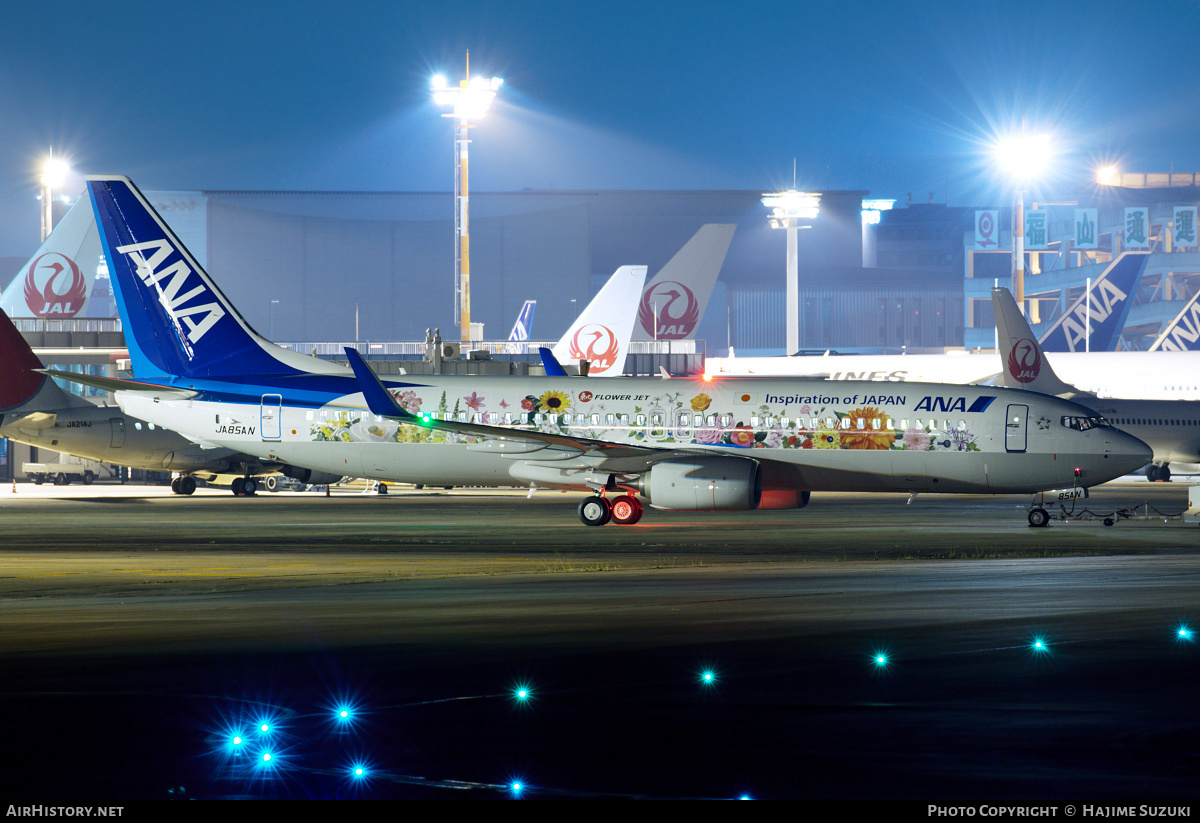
x=1132 y=453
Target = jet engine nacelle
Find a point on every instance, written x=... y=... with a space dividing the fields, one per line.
x=703 y=483
x=309 y=476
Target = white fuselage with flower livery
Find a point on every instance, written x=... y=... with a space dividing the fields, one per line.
x=807 y=435
x=684 y=444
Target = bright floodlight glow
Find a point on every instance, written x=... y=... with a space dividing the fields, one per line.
x=789 y=206
x=1038 y=645
x=1108 y=176
x=469 y=100
x=521 y=693
x=1024 y=156
x=54 y=172
x=708 y=677
x=1183 y=632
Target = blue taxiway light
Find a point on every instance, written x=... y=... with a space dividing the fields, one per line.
x=1184 y=632
x=515 y=788
x=1038 y=645
x=708 y=677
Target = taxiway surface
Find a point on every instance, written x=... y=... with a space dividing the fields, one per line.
x=140 y=628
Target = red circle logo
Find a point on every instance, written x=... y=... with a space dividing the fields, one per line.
x=596 y=344
x=1024 y=361
x=54 y=286
x=585 y=397
x=677 y=309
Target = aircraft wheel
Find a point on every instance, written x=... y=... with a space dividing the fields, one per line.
x=187 y=485
x=175 y=485
x=1164 y=473
x=1038 y=518
x=595 y=511
x=626 y=510
x=271 y=483
x=249 y=487
x=238 y=485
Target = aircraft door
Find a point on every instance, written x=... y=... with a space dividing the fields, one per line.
x=117 y=424
x=1015 y=428
x=270 y=416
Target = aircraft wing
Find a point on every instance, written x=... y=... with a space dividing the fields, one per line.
x=380 y=402
x=113 y=384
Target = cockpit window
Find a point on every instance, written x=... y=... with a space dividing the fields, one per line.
x=1080 y=423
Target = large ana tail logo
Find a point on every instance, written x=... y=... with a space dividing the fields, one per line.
x=676 y=308
x=596 y=344
x=1024 y=361
x=179 y=296
x=54 y=286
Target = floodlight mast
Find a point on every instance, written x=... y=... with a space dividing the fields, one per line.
x=468 y=101
x=792 y=210
x=1023 y=157
x=54 y=174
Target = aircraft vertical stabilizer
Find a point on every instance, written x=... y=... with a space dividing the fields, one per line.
x=22 y=387
x=1182 y=333
x=1111 y=298
x=679 y=293
x=56 y=283
x=1025 y=364
x=524 y=325
x=177 y=322
x=602 y=331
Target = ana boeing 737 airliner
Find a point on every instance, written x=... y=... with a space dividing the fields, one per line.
x=679 y=444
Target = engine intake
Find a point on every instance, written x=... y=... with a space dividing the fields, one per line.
x=703 y=484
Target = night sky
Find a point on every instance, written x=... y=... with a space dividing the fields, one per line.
x=894 y=97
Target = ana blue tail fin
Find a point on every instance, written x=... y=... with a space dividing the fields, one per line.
x=177 y=322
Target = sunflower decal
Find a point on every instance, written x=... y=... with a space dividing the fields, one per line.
x=554 y=401
x=867 y=437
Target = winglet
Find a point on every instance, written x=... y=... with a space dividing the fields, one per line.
x=1025 y=364
x=379 y=399
x=550 y=362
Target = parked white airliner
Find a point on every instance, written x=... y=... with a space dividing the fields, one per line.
x=680 y=444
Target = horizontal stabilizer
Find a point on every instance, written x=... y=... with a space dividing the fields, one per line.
x=113 y=384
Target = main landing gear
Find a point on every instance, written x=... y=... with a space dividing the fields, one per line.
x=1158 y=474
x=244 y=486
x=598 y=510
x=184 y=485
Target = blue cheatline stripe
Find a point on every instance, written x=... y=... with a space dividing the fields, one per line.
x=981 y=404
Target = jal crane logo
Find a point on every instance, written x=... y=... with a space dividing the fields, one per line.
x=678 y=310
x=596 y=344
x=1024 y=361
x=54 y=286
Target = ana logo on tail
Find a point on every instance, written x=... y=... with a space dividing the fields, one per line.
x=675 y=322
x=198 y=318
x=596 y=344
x=1024 y=361
x=54 y=286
